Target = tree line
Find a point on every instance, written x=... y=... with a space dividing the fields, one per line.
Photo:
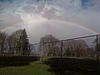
x=51 y=46
x=15 y=44
x=18 y=44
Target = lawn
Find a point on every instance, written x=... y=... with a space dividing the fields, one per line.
x=34 y=68
x=48 y=66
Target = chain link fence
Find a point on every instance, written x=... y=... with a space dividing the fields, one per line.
x=84 y=47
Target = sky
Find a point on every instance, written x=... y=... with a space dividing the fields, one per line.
x=63 y=19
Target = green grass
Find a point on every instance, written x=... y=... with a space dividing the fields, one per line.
x=35 y=68
x=52 y=66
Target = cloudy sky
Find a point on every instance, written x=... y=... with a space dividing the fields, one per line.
x=61 y=18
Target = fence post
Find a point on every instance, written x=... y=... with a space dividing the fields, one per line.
x=61 y=48
x=97 y=51
x=40 y=52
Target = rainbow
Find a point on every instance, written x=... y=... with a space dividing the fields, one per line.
x=78 y=25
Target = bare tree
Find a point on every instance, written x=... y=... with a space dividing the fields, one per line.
x=11 y=43
x=75 y=47
x=18 y=43
x=3 y=37
x=49 y=45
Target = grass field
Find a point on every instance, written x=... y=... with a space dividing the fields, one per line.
x=35 y=68
x=53 y=66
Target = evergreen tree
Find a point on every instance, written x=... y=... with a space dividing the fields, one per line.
x=25 y=43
